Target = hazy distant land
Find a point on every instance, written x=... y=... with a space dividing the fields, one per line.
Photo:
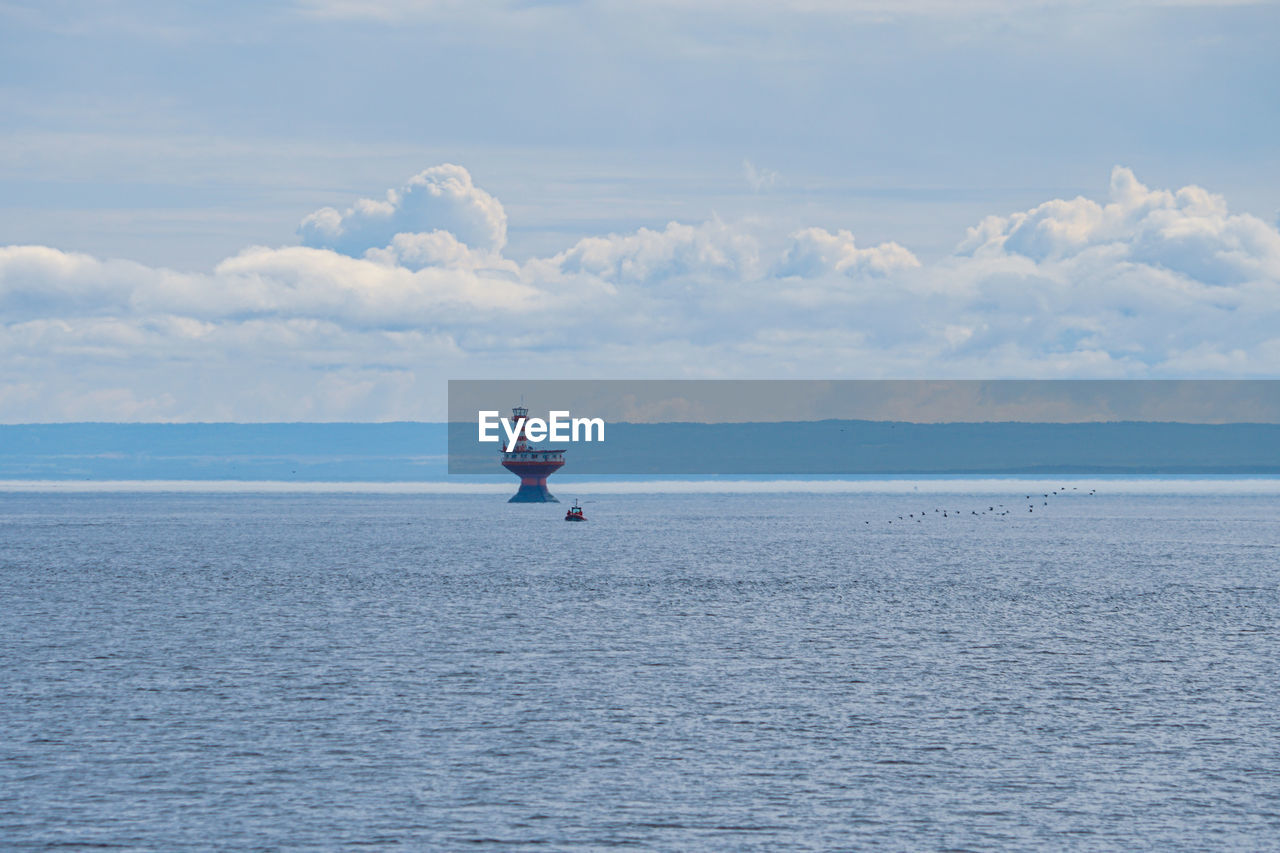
x=415 y=452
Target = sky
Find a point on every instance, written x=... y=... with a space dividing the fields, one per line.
x=324 y=209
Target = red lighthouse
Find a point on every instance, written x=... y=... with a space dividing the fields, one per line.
x=532 y=466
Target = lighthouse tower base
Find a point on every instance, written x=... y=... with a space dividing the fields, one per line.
x=531 y=493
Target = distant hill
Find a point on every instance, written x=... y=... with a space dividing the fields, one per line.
x=283 y=451
x=418 y=451
x=890 y=447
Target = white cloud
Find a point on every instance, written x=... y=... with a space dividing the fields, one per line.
x=711 y=249
x=442 y=198
x=438 y=249
x=1148 y=283
x=813 y=252
x=39 y=282
x=1189 y=232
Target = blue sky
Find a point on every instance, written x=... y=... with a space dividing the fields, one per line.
x=609 y=189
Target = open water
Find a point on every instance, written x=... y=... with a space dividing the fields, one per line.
x=683 y=672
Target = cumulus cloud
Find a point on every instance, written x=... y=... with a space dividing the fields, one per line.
x=438 y=249
x=813 y=252
x=416 y=289
x=442 y=198
x=711 y=249
x=37 y=282
x=1189 y=232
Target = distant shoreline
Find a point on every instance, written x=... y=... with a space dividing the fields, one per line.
x=427 y=453
x=1153 y=485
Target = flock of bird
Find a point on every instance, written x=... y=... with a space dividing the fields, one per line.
x=997 y=509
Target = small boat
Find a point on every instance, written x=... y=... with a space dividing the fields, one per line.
x=575 y=513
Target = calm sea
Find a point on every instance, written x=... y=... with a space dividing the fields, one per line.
x=683 y=672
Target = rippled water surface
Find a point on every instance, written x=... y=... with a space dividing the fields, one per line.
x=752 y=672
